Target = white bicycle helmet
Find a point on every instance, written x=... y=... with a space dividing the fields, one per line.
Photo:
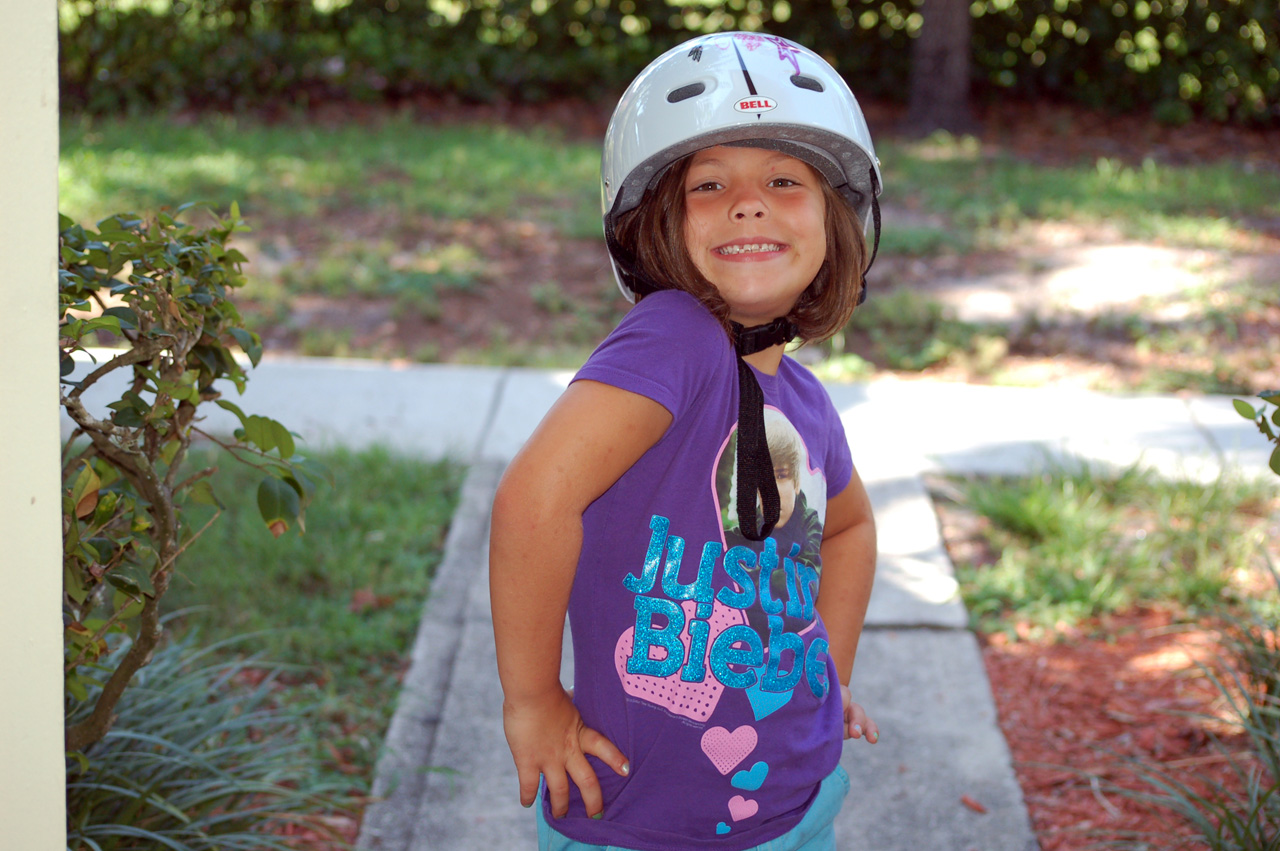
x=735 y=88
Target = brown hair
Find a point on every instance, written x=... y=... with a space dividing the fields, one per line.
x=654 y=234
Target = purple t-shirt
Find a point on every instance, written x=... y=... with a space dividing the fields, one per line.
x=698 y=652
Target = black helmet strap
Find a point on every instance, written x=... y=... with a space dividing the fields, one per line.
x=875 y=221
x=626 y=263
x=755 y=466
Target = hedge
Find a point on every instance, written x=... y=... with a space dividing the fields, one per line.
x=1214 y=58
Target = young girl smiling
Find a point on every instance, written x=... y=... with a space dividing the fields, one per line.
x=710 y=693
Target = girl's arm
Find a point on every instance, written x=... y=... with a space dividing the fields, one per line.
x=592 y=435
x=848 y=569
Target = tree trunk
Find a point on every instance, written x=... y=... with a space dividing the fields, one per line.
x=940 y=62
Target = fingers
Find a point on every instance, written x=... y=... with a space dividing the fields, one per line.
x=558 y=792
x=528 y=785
x=588 y=786
x=578 y=770
x=560 y=760
x=599 y=746
x=604 y=750
x=858 y=725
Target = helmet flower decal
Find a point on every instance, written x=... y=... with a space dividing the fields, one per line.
x=787 y=51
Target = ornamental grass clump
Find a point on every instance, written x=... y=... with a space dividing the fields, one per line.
x=202 y=756
x=1248 y=817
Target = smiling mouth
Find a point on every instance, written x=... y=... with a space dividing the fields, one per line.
x=755 y=248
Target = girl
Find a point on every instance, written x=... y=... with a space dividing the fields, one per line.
x=711 y=653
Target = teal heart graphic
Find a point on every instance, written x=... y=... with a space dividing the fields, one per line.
x=722 y=829
x=751 y=778
x=764 y=703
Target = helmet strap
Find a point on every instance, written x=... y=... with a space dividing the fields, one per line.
x=625 y=260
x=875 y=221
x=755 y=465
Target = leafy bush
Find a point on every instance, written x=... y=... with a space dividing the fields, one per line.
x=1181 y=57
x=200 y=758
x=1267 y=422
x=163 y=287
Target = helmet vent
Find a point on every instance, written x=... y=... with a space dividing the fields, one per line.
x=800 y=81
x=686 y=92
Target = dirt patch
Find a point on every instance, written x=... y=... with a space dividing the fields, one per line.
x=1075 y=710
x=1064 y=318
x=1075 y=305
x=533 y=289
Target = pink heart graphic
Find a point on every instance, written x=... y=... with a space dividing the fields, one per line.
x=691 y=700
x=740 y=808
x=726 y=750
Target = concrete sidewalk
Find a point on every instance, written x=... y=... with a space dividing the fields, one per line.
x=446 y=780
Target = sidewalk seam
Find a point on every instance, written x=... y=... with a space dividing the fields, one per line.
x=486 y=429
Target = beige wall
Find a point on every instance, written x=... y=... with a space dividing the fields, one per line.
x=31 y=766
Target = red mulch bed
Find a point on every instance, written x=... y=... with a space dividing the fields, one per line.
x=1081 y=703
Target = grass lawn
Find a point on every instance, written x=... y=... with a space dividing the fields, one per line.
x=1046 y=553
x=986 y=196
x=341 y=602
x=284 y=171
x=392 y=222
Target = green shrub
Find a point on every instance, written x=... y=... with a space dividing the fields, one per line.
x=1179 y=57
x=163 y=288
x=1268 y=422
x=1216 y=59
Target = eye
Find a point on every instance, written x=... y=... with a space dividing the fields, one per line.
x=783 y=182
x=705 y=186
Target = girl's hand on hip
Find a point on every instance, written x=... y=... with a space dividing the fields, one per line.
x=856 y=723
x=547 y=736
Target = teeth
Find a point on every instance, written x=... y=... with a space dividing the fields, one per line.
x=749 y=249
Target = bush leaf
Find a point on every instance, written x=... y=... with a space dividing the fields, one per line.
x=279 y=505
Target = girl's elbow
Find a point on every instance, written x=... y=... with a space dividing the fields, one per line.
x=513 y=502
x=528 y=502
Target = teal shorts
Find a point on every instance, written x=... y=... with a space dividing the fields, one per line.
x=815 y=832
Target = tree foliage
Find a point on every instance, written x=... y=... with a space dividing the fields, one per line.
x=164 y=287
x=1217 y=58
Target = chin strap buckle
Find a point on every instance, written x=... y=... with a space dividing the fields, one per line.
x=748 y=341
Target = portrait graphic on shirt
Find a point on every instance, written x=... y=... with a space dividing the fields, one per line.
x=802 y=497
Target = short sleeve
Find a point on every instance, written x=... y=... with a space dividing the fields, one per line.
x=839 y=461
x=666 y=349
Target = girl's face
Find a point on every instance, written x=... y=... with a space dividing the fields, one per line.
x=755 y=226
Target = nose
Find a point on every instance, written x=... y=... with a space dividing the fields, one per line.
x=748 y=203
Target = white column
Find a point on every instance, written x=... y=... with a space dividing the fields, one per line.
x=31 y=756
